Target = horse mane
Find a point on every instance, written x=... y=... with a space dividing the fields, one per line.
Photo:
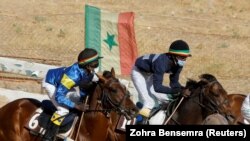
x=90 y=88
x=107 y=74
x=207 y=77
x=191 y=84
x=204 y=79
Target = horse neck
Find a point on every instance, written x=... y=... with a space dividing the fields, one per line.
x=191 y=109
x=95 y=98
x=114 y=118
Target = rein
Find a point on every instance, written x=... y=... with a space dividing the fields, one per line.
x=212 y=106
x=105 y=99
x=116 y=106
x=170 y=117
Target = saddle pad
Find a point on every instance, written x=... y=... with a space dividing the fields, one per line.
x=33 y=123
x=36 y=129
x=122 y=122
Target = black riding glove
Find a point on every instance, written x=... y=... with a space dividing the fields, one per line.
x=185 y=92
x=176 y=90
x=82 y=107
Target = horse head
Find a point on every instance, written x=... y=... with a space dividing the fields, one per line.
x=214 y=95
x=207 y=96
x=115 y=95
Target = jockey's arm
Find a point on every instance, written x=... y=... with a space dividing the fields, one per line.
x=60 y=97
x=174 y=78
x=65 y=85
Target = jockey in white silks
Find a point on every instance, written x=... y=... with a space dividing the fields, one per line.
x=245 y=109
x=61 y=83
x=147 y=77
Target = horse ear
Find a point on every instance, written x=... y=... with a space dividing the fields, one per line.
x=113 y=72
x=101 y=78
x=202 y=79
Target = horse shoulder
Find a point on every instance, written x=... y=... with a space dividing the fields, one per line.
x=16 y=113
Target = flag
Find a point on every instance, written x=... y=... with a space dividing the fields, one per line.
x=112 y=35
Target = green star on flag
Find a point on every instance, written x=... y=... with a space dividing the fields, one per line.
x=110 y=41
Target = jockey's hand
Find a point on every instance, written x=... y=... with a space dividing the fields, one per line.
x=82 y=107
x=185 y=92
x=176 y=90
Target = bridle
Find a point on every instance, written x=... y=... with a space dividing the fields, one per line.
x=104 y=100
x=212 y=106
x=116 y=106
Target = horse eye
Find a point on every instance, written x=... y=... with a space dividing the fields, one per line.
x=113 y=90
x=226 y=101
x=215 y=94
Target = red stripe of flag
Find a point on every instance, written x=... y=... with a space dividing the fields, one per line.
x=127 y=42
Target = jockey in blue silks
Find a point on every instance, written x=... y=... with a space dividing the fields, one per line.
x=148 y=73
x=61 y=83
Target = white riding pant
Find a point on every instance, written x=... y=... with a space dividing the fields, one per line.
x=73 y=95
x=245 y=109
x=143 y=83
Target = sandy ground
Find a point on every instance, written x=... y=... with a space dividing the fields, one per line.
x=7 y=95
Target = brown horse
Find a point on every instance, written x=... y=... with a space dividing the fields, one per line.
x=109 y=109
x=206 y=97
x=109 y=96
x=236 y=101
x=113 y=133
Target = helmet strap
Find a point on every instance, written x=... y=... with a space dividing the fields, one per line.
x=85 y=67
x=88 y=68
x=174 y=59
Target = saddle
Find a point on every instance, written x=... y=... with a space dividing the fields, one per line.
x=157 y=115
x=40 y=119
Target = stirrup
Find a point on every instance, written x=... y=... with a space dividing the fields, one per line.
x=51 y=132
x=141 y=120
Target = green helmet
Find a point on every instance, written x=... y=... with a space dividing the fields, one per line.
x=87 y=56
x=179 y=47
